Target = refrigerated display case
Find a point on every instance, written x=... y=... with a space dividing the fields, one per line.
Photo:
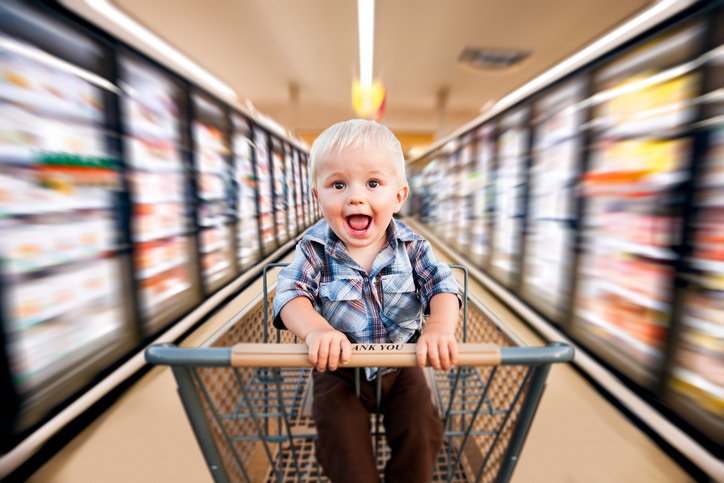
x=623 y=225
x=550 y=234
x=107 y=161
x=247 y=223
x=215 y=202
x=64 y=269
x=510 y=191
x=164 y=247
x=642 y=108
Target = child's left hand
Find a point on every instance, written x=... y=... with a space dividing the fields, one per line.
x=437 y=342
x=437 y=345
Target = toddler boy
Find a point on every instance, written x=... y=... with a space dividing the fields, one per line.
x=361 y=276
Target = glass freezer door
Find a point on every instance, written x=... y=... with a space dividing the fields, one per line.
x=298 y=190
x=510 y=188
x=266 y=196
x=432 y=176
x=447 y=165
x=695 y=386
x=291 y=184
x=215 y=202
x=550 y=233
x=465 y=184
x=481 y=189
x=642 y=110
x=306 y=191
x=247 y=223
x=281 y=188
x=160 y=202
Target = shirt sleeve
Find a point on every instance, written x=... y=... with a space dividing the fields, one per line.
x=298 y=279
x=433 y=276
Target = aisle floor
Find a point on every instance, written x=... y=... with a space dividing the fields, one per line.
x=576 y=437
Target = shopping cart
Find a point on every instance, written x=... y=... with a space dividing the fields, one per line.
x=249 y=400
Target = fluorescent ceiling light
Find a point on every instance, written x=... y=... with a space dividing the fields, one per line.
x=366 y=27
x=109 y=11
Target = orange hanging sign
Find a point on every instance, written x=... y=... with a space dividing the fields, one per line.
x=369 y=101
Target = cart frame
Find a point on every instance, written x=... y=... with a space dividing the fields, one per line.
x=248 y=400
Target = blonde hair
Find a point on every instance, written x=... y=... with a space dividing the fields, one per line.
x=353 y=134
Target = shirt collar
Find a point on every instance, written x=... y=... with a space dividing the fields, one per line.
x=322 y=233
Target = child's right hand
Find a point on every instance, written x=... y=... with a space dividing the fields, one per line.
x=328 y=348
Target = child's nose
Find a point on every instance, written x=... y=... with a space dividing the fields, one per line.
x=355 y=197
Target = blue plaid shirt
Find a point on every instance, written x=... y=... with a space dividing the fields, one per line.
x=385 y=305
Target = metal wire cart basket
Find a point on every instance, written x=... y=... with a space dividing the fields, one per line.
x=249 y=400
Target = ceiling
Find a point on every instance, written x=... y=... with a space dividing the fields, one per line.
x=295 y=60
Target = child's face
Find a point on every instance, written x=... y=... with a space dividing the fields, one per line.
x=359 y=190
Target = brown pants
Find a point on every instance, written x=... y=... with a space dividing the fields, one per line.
x=413 y=427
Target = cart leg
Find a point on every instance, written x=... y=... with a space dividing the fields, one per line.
x=527 y=412
x=195 y=412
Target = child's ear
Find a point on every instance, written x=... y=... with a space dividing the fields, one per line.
x=401 y=197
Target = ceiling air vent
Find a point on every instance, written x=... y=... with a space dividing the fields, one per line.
x=478 y=58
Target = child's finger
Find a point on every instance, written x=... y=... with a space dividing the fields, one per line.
x=453 y=353
x=421 y=353
x=333 y=357
x=346 y=353
x=433 y=355
x=444 y=358
x=322 y=356
x=313 y=352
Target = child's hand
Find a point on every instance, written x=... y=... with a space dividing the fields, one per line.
x=437 y=342
x=327 y=348
x=438 y=345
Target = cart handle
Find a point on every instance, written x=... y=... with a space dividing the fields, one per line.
x=363 y=355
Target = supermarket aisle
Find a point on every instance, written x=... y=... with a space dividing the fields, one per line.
x=576 y=436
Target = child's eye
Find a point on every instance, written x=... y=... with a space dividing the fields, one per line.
x=338 y=185
x=373 y=184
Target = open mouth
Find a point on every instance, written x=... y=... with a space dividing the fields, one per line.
x=359 y=222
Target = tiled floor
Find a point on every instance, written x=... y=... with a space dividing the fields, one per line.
x=576 y=437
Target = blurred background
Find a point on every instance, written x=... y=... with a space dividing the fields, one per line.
x=153 y=157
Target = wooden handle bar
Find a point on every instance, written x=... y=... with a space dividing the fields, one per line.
x=363 y=355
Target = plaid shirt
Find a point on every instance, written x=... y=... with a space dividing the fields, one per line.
x=383 y=306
